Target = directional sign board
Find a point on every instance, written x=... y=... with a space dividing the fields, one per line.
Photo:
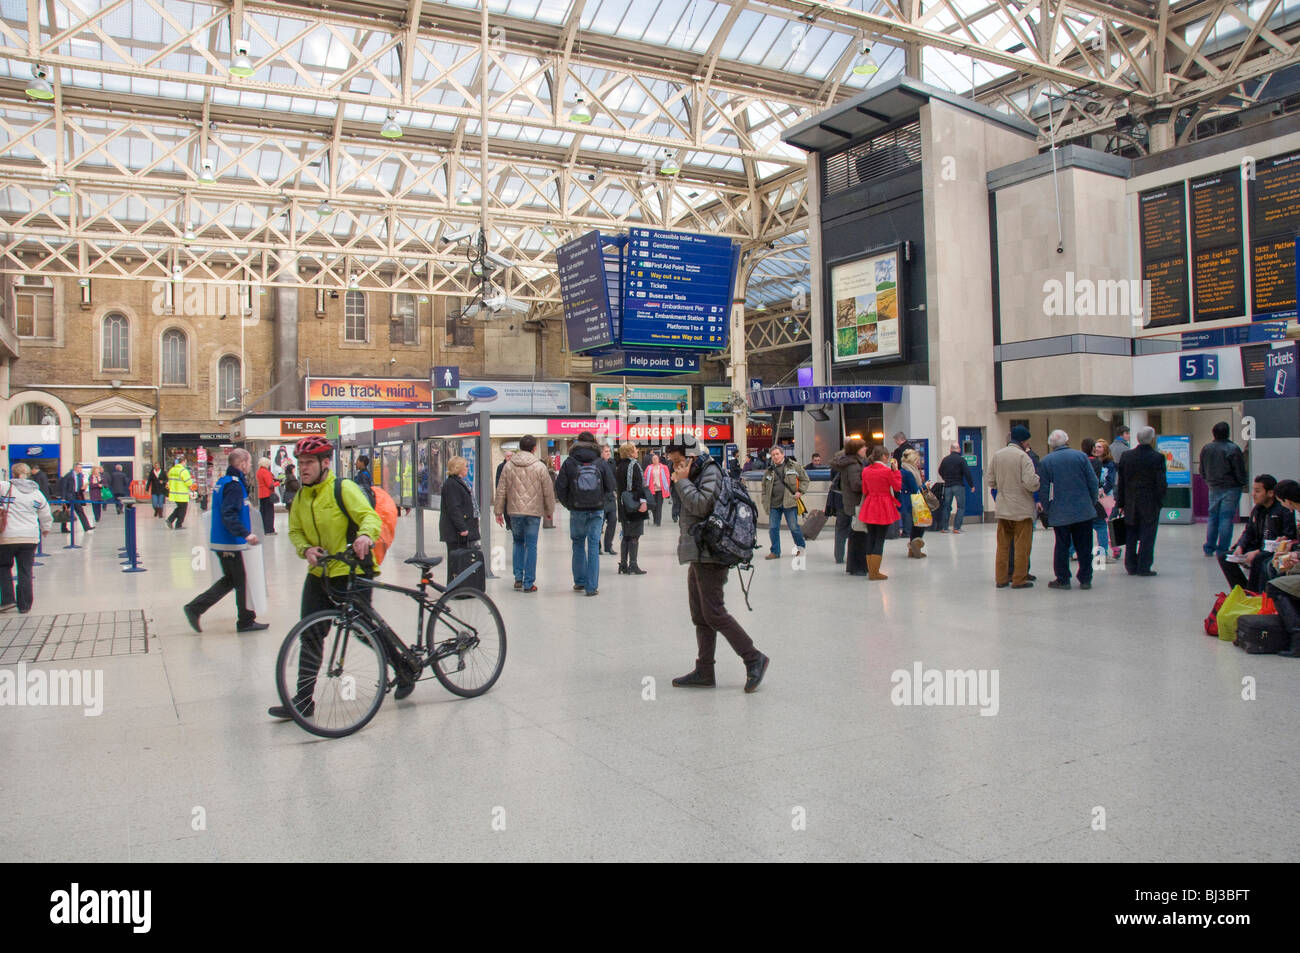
x=837 y=394
x=584 y=290
x=645 y=364
x=678 y=289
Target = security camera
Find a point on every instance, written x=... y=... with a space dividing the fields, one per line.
x=1060 y=249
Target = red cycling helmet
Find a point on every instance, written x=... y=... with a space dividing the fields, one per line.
x=313 y=447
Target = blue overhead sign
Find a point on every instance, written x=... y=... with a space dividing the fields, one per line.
x=835 y=394
x=677 y=289
x=1232 y=337
x=446 y=378
x=645 y=363
x=584 y=291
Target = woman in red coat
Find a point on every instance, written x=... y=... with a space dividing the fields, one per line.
x=266 y=484
x=880 y=481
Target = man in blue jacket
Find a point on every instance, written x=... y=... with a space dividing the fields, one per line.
x=1068 y=490
x=231 y=535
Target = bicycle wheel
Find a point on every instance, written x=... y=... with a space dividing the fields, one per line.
x=468 y=641
x=332 y=673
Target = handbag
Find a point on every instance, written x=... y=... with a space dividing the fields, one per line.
x=1118 y=532
x=106 y=494
x=631 y=502
x=921 y=514
x=931 y=500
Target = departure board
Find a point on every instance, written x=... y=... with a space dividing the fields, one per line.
x=1163 y=227
x=1218 y=264
x=678 y=290
x=584 y=293
x=1254 y=366
x=1272 y=278
x=1275 y=197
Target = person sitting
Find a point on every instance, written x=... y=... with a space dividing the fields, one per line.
x=1284 y=588
x=1269 y=521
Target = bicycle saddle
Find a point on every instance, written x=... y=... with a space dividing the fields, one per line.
x=424 y=562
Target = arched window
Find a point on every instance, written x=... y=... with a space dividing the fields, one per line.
x=116 y=352
x=33 y=414
x=174 y=370
x=354 y=317
x=228 y=391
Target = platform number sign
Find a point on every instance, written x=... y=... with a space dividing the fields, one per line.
x=1198 y=367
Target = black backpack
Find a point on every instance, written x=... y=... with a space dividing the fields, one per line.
x=588 y=491
x=729 y=534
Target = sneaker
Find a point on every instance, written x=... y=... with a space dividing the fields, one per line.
x=404 y=688
x=772 y=556
x=1057 y=584
x=281 y=711
x=594 y=592
x=755 y=672
x=193 y=619
x=519 y=584
x=531 y=589
x=252 y=627
x=958 y=532
x=579 y=588
x=696 y=679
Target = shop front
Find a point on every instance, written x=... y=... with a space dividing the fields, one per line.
x=205 y=454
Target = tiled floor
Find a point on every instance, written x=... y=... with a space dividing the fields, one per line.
x=1111 y=704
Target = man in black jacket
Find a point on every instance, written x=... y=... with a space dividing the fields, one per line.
x=1269 y=521
x=1139 y=493
x=581 y=488
x=1223 y=468
x=698 y=479
x=73 y=488
x=956 y=477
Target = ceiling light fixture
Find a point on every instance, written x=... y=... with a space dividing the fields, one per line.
x=240 y=64
x=581 y=112
x=63 y=189
x=324 y=210
x=864 y=65
x=463 y=196
x=548 y=229
x=39 y=87
x=207 y=172
x=670 y=165
x=390 y=129
x=189 y=233
x=354 y=282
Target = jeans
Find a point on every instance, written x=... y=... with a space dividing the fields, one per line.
x=524 y=529
x=584 y=530
x=656 y=506
x=791 y=516
x=1073 y=536
x=159 y=500
x=1223 y=513
x=24 y=554
x=951 y=493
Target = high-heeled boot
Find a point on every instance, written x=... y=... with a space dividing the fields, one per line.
x=622 y=557
x=632 y=546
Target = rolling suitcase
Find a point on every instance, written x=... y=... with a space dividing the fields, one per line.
x=813 y=523
x=458 y=560
x=1262 y=634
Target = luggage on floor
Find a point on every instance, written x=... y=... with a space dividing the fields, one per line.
x=1239 y=604
x=1212 y=620
x=458 y=560
x=813 y=523
x=1262 y=634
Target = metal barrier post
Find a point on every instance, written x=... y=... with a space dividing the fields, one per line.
x=72 y=526
x=131 y=550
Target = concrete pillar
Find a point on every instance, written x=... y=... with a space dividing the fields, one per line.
x=739 y=371
x=816 y=291
x=285 y=369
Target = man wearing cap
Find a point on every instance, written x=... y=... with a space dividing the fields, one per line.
x=1012 y=475
x=697 y=478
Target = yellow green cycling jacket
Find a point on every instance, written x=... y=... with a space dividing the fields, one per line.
x=315 y=520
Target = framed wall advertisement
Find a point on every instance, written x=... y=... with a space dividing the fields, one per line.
x=866 y=298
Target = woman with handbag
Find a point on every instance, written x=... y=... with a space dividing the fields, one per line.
x=156 y=484
x=879 y=510
x=24 y=519
x=1107 y=478
x=633 y=508
x=96 y=484
x=847 y=465
x=458 y=521
x=915 y=516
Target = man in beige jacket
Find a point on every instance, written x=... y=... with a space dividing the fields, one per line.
x=526 y=492
x=1012 y=474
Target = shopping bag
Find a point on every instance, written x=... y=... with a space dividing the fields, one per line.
x=1239 y=603
x=1211 y=623
x=255 y=580
x=921 y=515
x=800 y=507
x=1118 y=532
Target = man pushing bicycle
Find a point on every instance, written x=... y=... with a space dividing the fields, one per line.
x=317 y=528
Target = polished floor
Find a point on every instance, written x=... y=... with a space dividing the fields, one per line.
x=1120 y=734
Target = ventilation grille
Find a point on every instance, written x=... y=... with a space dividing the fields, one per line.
x=876 y=158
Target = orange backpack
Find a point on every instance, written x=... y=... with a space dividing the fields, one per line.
x=384 y=506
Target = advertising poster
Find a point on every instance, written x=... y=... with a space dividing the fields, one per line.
x=717 y=401
x=657 y=398
x=865 y=298
x=514 y=397
x=374 y=394
x=1177 y=451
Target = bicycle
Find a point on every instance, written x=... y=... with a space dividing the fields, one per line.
x=338 y=659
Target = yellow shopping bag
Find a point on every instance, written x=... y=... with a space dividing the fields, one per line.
x=921 y=515
x=1238 y=604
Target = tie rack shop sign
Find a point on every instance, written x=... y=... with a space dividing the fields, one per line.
x=302 y=427
x=368 y=394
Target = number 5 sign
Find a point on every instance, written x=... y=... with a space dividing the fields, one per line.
x=1198 y=367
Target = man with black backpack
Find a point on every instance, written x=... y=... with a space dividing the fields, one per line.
x=581 y=488
x=700 y=484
